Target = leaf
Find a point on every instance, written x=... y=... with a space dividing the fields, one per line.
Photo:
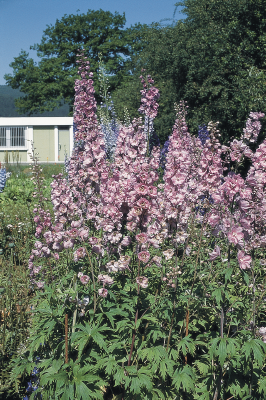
x=222 y=353
x=228 y=274
x=218 y=296
x=202 y=367
x=186 y=345
x=246 y=278
x=184 y=379
x=256 y=348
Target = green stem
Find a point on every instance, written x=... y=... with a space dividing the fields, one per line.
x=93 y=281
x=76 y=309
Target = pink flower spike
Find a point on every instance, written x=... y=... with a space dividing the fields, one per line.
x=244 y=260
x=84 y=279
x=144 y=256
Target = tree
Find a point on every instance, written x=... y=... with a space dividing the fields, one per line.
x=50 y=81
x=226 y=73
x=215 y=59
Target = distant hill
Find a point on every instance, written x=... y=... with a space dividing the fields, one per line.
x=8 y=109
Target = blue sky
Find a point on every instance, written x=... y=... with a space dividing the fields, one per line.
x=22 y=22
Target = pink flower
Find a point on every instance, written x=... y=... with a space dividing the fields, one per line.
x=236 y=235
x=141 y=189
x=144 y=256
x=142 y=281
x=142 y=237
x=103 y=292
x=105 y=279
x=84 y=233
x=40 y=284
x=98 y=249
x=36 y=270
x=244 y=260
x=68 y=244
x=93 y=240
x=76 y=224
x=79 y=253
x=215 y=253
x=84 y=279
x=143 y=203
x=168 y=254
x=213 y=220
x=126 y=241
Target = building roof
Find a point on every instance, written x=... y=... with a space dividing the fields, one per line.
x=8 y=108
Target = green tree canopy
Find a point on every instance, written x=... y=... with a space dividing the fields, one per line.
x=50 y=81
x=215 y=59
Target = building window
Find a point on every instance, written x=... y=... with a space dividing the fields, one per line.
x=13 y=136
x=2 y=136
x=17 y=136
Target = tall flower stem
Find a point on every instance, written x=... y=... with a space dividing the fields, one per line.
x=133 y=338
x=93 y=281
x=136 y=319
x=66 y=339
x=76 y=309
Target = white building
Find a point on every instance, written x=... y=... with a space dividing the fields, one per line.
x=52 y=137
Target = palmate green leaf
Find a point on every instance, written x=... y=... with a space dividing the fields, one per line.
x=83 y=392
x=157 y=394
x=86 y=333
x=153 y=354
x=222 y=353
x=137 y=380
x=228 y=274
x=37 y=342
x=217 y=293
x=111 y=365
x=202 y=367
x=65 y=392
x=238 y=389
x=119 y=376
x=173 y=354
x=110 y=316
x=256 y=348
x=203 y=396
x=262 y=386
x=166 y=368
x=223 y=348
x=50 y=378
x=186 y=345
x=81 y=376
x=184 y=379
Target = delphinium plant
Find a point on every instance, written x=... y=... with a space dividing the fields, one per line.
x=141 y=294
x=2 y=179
x=107 y=115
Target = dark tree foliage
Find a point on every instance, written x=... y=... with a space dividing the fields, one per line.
x=214 y=59
x=225 y=41
x=50 y=81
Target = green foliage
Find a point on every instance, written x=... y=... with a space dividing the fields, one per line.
x=8 y=109
x=214 y=59
x=46 y=84
x=166 y=362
